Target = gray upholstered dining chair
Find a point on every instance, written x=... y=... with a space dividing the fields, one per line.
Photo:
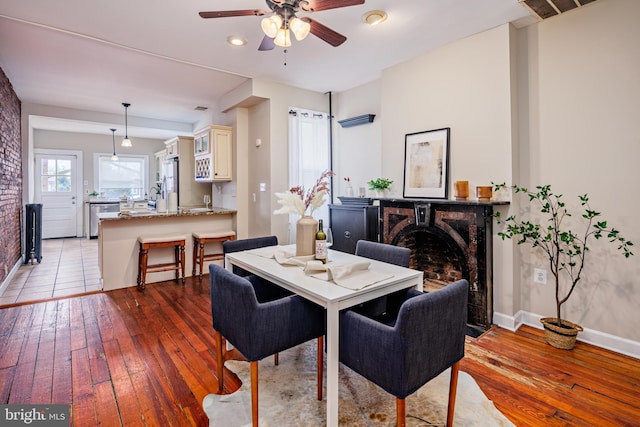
x=419 y=338
x=384 y=252
x=231 y=246
x=380 y=252
x=260 y=322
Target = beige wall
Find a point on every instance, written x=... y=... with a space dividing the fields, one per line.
x=357 y=151
x=271 y=126
x=580 y=91
x=259 y=160
x=554 y=103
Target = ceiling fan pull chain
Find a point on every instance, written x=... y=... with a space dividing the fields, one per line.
x=285 y=57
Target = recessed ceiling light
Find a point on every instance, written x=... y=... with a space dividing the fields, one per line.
x=236 y=41
x=374 y=17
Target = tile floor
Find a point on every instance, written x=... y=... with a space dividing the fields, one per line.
x=68 y=267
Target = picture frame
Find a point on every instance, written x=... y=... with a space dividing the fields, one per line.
x=426 y=164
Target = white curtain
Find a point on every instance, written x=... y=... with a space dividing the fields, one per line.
x=308 y=156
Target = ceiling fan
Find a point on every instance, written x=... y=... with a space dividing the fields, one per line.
x=283 y=21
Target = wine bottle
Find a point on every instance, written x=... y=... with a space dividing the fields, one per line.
x=321 y=244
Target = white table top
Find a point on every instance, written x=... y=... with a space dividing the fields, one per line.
x=325 y=292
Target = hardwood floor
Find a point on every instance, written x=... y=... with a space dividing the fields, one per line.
x=147 y=358
x=534 y=384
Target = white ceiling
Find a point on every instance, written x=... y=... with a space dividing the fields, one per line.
x=165 y=60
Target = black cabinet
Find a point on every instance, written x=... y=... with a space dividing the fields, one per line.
x=350 y=223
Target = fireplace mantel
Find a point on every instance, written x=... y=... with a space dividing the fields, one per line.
x=449 y=240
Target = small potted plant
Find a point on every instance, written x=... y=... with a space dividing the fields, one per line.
x=564 y=248
x=380 y=185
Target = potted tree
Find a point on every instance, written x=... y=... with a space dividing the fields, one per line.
x=565 y=249
x=380 y=185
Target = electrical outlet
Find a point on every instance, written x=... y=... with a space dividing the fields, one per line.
x=540 y=276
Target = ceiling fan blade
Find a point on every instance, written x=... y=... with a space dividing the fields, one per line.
x=325 y=33
x=230 y=13
x=267 y=43
x=318 y=5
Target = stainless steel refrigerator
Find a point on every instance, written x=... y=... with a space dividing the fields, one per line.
x=170 y=178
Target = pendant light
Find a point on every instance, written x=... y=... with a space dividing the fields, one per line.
x=126 y=142
x=114 y=157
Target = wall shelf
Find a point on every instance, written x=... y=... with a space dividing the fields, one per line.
x=356 y=121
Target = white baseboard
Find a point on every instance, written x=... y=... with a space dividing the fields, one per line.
x=590 y=336
x=7 y=280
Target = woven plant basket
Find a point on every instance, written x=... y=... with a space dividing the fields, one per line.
x=564 y=336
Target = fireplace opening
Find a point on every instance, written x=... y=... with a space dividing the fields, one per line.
x=438 y=257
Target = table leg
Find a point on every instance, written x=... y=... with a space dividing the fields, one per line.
x=332 y=365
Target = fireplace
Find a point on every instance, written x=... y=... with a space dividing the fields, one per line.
x=449 y=240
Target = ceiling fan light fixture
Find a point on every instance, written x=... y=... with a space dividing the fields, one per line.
x=283 y=38
x=271 y=25
x=299 y=28
x=374 y=17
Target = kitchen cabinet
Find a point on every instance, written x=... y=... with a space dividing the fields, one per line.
x=213 y=154
x=350 y=223
x=173 y=147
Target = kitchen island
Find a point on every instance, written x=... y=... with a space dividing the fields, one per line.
x=118 y=240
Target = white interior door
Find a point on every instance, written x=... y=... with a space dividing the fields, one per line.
x=56 y=189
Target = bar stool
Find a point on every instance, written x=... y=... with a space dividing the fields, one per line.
x=201 y=239
x=178 y=242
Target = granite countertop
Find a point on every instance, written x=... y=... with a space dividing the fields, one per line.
x=147 y=213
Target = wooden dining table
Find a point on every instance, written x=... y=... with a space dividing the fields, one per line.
x=327 y=294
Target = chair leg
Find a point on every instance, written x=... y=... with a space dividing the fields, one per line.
x=139 y=280
x=220 y=357
x=401 y=412
x=320 y=363
x=143 y=275
x=453 y=388
x=276 y=359
x=195 y=249
x=254 y=393
x=176 y=261
x=182 y=251
x=201 y=257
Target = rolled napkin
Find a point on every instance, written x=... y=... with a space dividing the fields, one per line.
x=173 y=202
x=161 y=205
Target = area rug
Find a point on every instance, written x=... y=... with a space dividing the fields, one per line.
x=287 y=396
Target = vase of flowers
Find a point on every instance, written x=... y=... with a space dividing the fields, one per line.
x=304 y=203
x=348 y=191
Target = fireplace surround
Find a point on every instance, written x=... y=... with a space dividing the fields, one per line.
x=449 y=240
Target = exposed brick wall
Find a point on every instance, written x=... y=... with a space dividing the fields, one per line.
x=10 y=177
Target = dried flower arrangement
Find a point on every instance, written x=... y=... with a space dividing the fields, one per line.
x=297 y=201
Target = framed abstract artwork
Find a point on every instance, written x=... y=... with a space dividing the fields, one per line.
x=426 y=164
